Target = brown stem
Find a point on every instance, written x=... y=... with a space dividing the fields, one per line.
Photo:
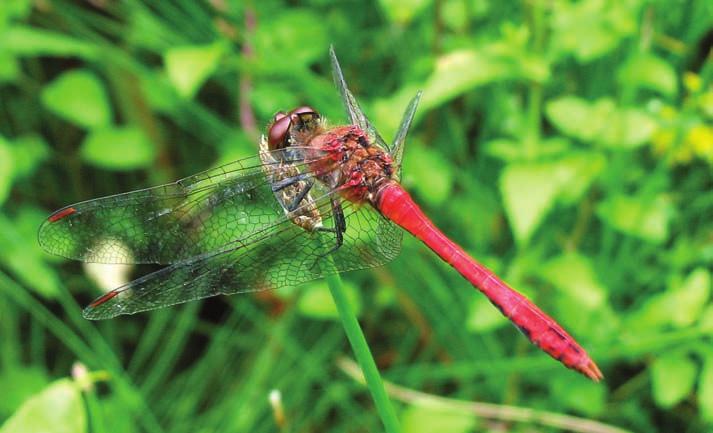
x=485 y=410
x=247 y=116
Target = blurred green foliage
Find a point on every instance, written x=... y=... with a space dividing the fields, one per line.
x=567 y=144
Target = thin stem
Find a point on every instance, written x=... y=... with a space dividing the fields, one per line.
x=247 y=116
x=534 y=109
x=359 y=346
x=488 y=410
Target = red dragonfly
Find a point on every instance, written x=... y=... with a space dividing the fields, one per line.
x=259 y=223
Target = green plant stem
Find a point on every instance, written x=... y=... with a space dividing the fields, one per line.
x=360 y=347
x=534 y=109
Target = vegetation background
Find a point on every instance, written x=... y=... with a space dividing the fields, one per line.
x=567 y=144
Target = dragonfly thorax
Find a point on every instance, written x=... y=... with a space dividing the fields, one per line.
x=358 y=168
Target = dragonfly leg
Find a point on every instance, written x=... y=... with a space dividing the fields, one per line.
x=340 y=223
x=284 y=183
x=340 y=227
x=300 y=196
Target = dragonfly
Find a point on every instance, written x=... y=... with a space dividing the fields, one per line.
x=315 y=200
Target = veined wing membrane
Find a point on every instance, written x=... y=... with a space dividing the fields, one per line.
x=397 y=150
x=169 y=223
x=282 y=254
x=354 y=112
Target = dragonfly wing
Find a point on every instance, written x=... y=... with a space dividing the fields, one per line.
x=252 y=264
x=354 y=112
x=282 y=254
x=398 y=145
x=369 y=241
x=168 y=223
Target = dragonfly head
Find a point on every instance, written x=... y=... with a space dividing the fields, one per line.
x=300 y=120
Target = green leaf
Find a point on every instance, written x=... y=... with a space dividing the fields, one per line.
x=459 y=72
x=118 y=148
x=57 y=409
x=18 y=383
x=573 y=116
x=30 y=41
x=9 y=66
x=299 y=35
x=706 y=324
x=317 y=302
x=644 y=218
x=673 y=376
x=590 y=29
x=599 y=324
x=20 y=253
x=151 y=31
x=482 y=317
x=649 y=71
x=573 y=274
x=402 y=12
x=423 y=418
x=627 y=129
x=583 y=396
x=27 y=153
x=475 y=199
x=159 y=92
x=430 y=172
x=687 y=301
x=680 y=306
x=504 y=149
x=6 y=169
x=705 y=389
x=510 y=150
x=267 y=96
x=529 y=191
x=601 y=122
x=236 y=145
x=188 y=67
x=79 y=97
x=576 y=172
x=456 y=15
x=655 y=313
x=14 y=9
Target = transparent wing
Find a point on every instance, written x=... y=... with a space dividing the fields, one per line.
x=281 y=254
x=398 y=145
x=169 y=223
x=354 y=112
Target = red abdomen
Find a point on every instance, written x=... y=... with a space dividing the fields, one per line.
x=397 y=205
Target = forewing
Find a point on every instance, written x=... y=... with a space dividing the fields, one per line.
x=168 y=223
x=354 y=112
x=398 y=145
x=282 y=254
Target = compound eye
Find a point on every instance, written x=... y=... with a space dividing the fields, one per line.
x=303 y=109
x=279 y=115
x=278 y=131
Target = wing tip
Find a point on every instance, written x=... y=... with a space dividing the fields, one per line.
x=89 y=313
x=45 y=232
